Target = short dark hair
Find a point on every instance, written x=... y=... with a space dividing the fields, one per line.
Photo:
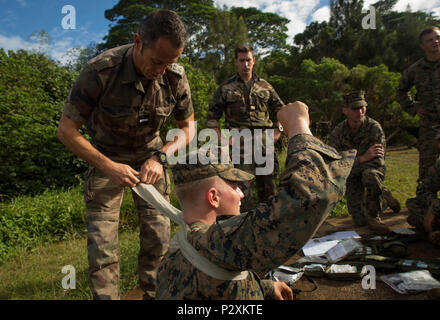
x=163 y=23
x=244 y=49
x=427 y=31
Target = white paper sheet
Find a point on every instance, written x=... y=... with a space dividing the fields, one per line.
x=319 y=246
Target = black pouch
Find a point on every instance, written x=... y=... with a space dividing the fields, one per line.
x=395 y=249
x=315 y=270
x=381 y=262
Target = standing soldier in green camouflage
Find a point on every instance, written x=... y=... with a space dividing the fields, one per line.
x=424 y=209
x=261 y=239
x=364 y=134
x=248 y=102
x=123 y=97
x=425 y=75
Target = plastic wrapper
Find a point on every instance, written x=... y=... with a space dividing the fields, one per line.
x=412 y=282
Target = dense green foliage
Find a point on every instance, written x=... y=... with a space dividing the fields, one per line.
x=321 y=86
x=33 y=90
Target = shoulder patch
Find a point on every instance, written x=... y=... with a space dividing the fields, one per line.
x=109 y=58
x=177 y=69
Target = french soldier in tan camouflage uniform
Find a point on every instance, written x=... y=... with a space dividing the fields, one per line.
x=123 y=97
x=263 y=238
x=248 y=102
x=425 y=76
x=424 y=208
x=364 y=134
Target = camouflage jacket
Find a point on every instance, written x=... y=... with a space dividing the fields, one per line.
x=428 y=188
x=425 y=76
x=370 y=133
x=243 y=107
x=266 y=237
x=122 y=111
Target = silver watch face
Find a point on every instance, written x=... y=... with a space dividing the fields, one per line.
x=280 y=128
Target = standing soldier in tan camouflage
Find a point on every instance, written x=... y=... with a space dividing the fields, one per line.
x=425 y=75
x=364 y=134
x=424 y=208
x=261 y=239
x=247 y=101
x=123 y=97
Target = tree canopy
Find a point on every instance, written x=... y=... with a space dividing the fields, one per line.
x=326 y=60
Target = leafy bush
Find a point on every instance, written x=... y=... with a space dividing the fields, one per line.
x=33 y=90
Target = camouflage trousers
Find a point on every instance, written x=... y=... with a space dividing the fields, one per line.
x=417 y=210
x=364 y=194
x=103 y=200
x=265 y=184
x=428 y=153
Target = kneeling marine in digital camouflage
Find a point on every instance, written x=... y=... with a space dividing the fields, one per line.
x=261 y=239
x=364 y=134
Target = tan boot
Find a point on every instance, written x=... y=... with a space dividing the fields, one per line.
x=376 y=225
x=392 y=202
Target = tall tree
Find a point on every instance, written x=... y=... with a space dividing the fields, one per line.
x=127 y=14
x=393 y=42
x=224 y=33
x=266 y=30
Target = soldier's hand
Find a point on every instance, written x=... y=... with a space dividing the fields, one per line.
x=294 y=117
x=151 y=170
x=428 y=221
x=122 y=174
x=374 y=151
x=282 y=291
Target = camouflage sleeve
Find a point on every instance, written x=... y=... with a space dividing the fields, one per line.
x=375 y=136
x=83 y=96
x=184 y=107
x=275 y=103
x=403 y=95
x=215 y=110
x=268 y=289
x=429 y=187
x=334 y=138
x=266 y=237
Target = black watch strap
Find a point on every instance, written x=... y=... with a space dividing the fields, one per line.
x=162 y=157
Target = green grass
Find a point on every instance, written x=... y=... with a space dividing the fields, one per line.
x=32 y=268
x=36 y=274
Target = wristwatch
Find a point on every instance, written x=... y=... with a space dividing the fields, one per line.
x=280 y=128
x=162 y=157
